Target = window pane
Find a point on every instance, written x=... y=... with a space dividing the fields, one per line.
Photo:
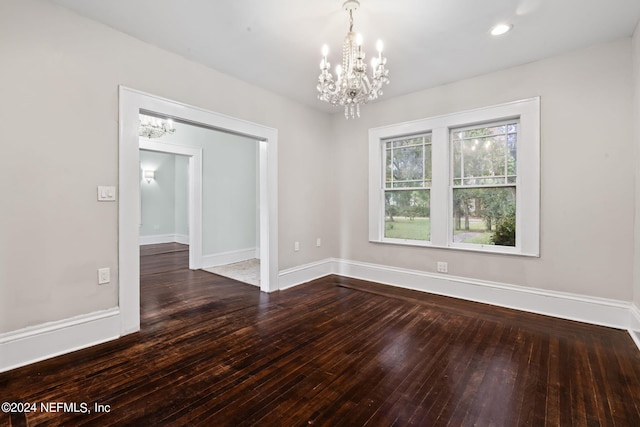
x=408 y=162
x=485 y=156
x=484 y=216
x=407 y=214
x=388 y=175
x=511 y=154
x=427 y=163
x=457 y=160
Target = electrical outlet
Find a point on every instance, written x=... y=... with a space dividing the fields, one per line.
x=318 y=242
x=443 y=267
x=104 y=276
x=296 y=246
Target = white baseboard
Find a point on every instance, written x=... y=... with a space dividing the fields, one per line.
x=598 y=311
x=181 y=238
x=634 y=324
x=224 y=258
x=164 y=238
x=29 y=345
x=305 y=273
x=36 y=343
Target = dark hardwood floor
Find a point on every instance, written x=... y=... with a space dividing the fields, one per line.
x=334 y=352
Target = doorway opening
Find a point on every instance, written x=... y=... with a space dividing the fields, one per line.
x=132 y=103
x=223 y=191
x=184 y=174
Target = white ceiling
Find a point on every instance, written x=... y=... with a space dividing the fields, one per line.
x=276 y=44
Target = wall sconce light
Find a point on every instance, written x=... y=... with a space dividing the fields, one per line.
x=149 y=176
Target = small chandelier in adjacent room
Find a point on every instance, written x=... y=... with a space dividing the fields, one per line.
x=352 y=87
x=153 y=127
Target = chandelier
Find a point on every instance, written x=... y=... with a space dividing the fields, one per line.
x=352 y=86
x=153 y=127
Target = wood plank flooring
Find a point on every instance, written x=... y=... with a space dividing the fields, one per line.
x=334 y=352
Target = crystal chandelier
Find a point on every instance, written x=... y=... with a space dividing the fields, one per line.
x=352 y=87
x=153 y=127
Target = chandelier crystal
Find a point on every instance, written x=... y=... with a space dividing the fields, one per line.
x=353 y=86
x=153 y=127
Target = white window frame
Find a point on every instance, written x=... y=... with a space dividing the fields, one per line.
x=441 y=218
x=385 y=188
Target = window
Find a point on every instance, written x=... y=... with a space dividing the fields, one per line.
x=406 y=187
x=467 y=181
x=484 y=184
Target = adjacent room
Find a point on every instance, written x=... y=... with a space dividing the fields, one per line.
x=225 y=194
x=321 y=212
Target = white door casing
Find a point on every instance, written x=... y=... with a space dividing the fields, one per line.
x=131 y=104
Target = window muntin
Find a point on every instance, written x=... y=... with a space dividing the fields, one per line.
x=407 y=180
x=483 y=184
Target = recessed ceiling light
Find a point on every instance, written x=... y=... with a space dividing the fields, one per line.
x=500 y=29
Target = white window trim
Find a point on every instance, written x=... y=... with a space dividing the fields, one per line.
x=527 y=181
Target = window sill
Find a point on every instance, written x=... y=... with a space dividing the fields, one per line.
x=483 y=249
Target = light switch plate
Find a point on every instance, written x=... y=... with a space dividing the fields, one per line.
x=106 y=193
x=104 y=276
